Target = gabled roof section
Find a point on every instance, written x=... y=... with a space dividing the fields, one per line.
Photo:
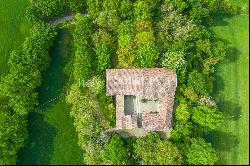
x=150 y=82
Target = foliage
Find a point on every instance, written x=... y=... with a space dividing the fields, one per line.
x=181 y=112
x=94 y=7
x=13 y=133
x=190 y=94
x=146 y=52
x=96 y=84
x=87 y=122
x=103 y=56
x=108 y=19
x=197 y=11
x=173 y=60
x=141 y=11
x=207 y=100
x=76 y=5
x=115 y=152
x=84 y=55
x=101 y=36
x=19 y=88
x=197 y=81
x=125 y=56
x=181 y=130
x=151 y=150
x=207 y=116
x=92 y=153
x=104 y=49
x=107 y=108
x=183 y=125
x=172 y=26
x=125 y=43
x=229 y=7
x=125 y=9
x=125 y=33
x=26 y=66
x=199 y=152
x=46 y=9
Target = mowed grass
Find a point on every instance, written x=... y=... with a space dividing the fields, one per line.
x=13 y=29
x=52 y=136
x=231 y=90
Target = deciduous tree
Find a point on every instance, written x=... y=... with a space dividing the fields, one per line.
x=207 y=116
x=151 y=150
x=115 y=152
x=200 y=152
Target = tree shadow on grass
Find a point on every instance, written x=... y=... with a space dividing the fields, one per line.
x=231 y=111
x=220 y=19
x=219 y=84
x=39 y=146
x=55 y=77
x=222 y=142
x=231 y=57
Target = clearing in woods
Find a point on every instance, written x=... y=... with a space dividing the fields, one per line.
x=52 y=136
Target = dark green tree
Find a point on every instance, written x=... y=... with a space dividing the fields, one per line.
x=197 y=81
x=151 y=150
x=115 y=152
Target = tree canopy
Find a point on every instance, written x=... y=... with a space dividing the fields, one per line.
x=115 y=152
x=200 y=152
x=151 y=150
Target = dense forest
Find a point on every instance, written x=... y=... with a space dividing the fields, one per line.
x=121 y=34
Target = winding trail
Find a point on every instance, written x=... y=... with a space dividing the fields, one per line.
x=62 y=19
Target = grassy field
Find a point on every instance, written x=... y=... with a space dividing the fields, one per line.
x=13 y=27
x=241 y=2
x=52 y=136
x=231 y=91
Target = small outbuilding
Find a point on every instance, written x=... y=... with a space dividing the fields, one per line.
x=144 y=97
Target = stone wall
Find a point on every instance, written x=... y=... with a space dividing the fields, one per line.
x=119 y=111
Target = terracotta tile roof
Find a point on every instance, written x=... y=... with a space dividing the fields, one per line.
x=150 y=83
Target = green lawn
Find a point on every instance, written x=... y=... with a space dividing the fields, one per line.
x=13 y=29
x=241 y=2
x=231 y=91
x=52 y=136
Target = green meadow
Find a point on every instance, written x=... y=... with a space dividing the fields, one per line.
x=14 y=28
x=231 y=90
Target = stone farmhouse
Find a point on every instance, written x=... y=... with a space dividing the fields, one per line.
x=144 y=97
